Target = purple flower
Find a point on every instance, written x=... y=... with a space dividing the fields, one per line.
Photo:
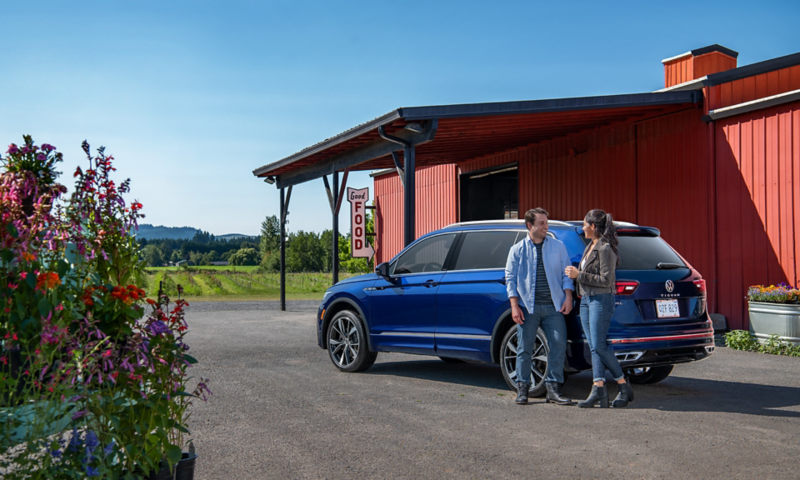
x=55 y=453
x=75 y=441
x=92 y=472
x=109 y=448
x=41 y=157
x=158 y=327
x=91 y=441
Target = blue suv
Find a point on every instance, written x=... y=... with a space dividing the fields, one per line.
x=445 y=295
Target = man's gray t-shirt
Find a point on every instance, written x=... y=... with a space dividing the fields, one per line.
x=542 y=288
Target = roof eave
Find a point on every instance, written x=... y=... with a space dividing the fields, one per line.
x=330 y=142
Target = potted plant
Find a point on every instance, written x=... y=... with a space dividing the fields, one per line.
x=774 y=310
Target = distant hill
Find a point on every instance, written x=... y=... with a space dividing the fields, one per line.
x=232 y=236
x=176 y=233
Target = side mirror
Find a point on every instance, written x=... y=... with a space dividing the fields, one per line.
x=383 y=270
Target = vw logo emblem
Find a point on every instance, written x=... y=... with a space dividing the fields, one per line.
x=670 y=286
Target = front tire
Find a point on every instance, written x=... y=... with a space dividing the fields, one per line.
x=347 y=343
x=508 y=362
x=645 y=375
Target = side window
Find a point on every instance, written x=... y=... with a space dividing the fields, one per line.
x=481 y=250
x=426 y=256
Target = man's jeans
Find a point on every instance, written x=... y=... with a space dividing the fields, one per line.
x=596 y=312
x=555 y=329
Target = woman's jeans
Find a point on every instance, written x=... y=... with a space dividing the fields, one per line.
x=596 y=312
x=555 y=329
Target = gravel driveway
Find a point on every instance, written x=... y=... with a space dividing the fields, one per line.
x=281 y=410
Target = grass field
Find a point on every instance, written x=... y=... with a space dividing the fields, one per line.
x=236 y=283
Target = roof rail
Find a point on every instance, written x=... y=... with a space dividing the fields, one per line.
x=616 y=222
x=507 y=222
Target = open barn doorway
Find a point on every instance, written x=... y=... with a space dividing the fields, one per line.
x=490 y=194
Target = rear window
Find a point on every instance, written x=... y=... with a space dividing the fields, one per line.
x=640 y=252
x=481 y=250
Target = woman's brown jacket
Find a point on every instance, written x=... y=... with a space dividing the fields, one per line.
x=599 y=274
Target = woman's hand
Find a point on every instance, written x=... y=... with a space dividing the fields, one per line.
x=571 y=272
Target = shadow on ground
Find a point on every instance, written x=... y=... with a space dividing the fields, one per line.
x=676 y=393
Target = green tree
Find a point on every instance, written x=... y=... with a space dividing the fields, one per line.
x=270 y=235
x=244 y=256
x=305 y=253
x=153 y=255
x=197 y=258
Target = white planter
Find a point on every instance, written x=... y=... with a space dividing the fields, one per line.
x=767 y=319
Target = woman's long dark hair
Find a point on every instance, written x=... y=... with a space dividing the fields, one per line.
x=604 y=226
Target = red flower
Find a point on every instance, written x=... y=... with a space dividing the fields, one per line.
x=46 y=281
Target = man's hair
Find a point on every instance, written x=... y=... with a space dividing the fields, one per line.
x=530 y=215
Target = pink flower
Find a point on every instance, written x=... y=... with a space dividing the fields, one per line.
x=23 y=275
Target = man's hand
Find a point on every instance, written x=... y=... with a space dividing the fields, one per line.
x=567 y=306
x=516 y=312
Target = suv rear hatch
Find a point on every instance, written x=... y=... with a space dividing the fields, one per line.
x=655 y=286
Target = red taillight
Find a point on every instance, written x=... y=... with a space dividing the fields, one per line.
x=626 y=287
x=701 y=286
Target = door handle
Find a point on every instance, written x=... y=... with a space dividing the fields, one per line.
x=502 y=281
x=430 y=283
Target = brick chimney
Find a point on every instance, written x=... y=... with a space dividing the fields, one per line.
x=698 y=63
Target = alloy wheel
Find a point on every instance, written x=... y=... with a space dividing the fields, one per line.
x=508 y=357
x=344 y=342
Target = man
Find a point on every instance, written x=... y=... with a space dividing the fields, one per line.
x=536 y=280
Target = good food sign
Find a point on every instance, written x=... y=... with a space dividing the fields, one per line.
x=359 y=245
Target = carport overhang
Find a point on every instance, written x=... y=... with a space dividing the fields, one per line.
x=458 y=133
x=441 y=134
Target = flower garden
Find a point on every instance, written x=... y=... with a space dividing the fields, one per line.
x=94 y=376
x=781 y=293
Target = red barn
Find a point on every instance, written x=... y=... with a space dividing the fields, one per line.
x=712 y=160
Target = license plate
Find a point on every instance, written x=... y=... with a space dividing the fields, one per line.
x=667 y=308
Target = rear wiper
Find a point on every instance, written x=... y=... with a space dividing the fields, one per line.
x=668 y=266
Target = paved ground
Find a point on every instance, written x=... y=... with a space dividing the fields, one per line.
x=281 y=410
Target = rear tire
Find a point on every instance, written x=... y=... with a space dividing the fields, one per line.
x=646 y=375
x=508 y=362
x=347 y=343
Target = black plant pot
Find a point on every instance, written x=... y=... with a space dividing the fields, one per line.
x=185 y=468
x=164 y=474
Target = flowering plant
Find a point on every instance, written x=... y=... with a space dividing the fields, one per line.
x=89 y=384
x=781 y=293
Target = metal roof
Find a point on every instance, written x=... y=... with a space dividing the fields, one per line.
x=470 y=131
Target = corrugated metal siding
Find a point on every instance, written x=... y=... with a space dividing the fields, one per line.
x=673 y=178
x=690 y=67
x=712 y=63
x=753 y=88
x=679 y=71
x=758 y=206
x=437 y=207
x=568 y=177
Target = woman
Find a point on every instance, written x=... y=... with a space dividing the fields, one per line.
x=596 y=281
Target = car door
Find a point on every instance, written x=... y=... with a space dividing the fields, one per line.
x=472 y=294
x=403 y=306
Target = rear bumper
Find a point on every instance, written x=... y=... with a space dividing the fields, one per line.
x=683 y=346
x=673 y=356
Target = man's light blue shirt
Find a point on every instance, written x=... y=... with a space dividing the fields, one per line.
x=521 y=271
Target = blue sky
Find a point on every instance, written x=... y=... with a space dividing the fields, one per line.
x=190 y=97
